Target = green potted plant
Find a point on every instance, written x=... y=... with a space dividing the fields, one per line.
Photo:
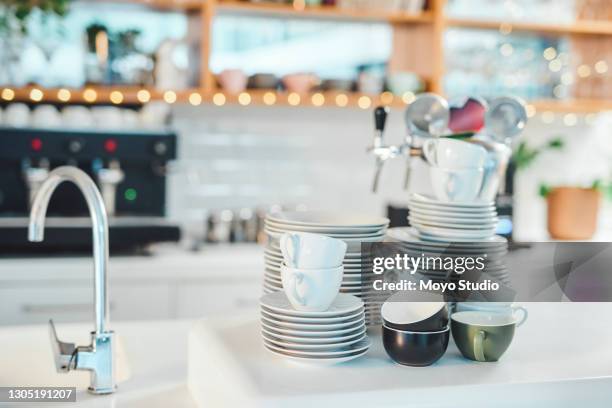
x=573 y=211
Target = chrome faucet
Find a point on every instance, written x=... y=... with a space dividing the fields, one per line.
x=98 y=357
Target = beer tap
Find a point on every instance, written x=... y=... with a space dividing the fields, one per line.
x=426 y=117
x=381 y=151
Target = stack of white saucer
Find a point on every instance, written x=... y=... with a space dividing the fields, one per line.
x=435 y=220
x=350 y=228
x=493 y=248
x=333 y=336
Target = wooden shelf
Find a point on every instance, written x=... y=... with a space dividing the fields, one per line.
x=580 y=27
x=251 y=97
x=184 y=5
x=320 y=12
x=91 y=95
x=573 y=106
x=138 y=96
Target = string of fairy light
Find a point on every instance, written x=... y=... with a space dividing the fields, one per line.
x=195 y=98
x=556 y=61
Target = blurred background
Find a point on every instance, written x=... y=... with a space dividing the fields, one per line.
x=196 y=117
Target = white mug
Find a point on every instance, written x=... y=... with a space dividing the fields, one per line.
x=312 y=290
x=502 y=308
x=77 y=117
x=17 y=115
x=45 y=116
x=456 y=185
x=454 y=154
x=311 y=251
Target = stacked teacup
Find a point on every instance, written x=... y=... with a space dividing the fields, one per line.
x=351 y=228
x=310 y=320
x=312 y=269
x=457 y=220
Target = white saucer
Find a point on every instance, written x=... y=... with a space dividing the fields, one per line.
x=314 y=333
x=281 y=324
x=343 y=304
x=361 y=345
x=431 y=201
x=329 y=219
x=324 y=320
x=312 y=346
x=316 y=340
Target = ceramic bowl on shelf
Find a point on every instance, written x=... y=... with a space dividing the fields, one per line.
x=232 y=81
x=346 y=85
x=300 y=83
x=263 y=81
x=417 y=349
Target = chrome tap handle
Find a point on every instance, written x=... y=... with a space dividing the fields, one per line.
x=380 y=119
x=63 y=352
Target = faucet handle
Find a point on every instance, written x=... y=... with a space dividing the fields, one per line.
x=64 y=353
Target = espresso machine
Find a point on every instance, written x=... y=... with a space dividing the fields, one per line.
x=129 y=169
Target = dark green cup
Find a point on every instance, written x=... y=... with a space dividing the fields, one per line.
x=483 y=336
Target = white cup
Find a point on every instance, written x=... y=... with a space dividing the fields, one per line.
x=77 y=117
x=45 y=116
x=311 y=251
x=17 y=115
x=454 y=154
x=312 y=290
x=107 y=117
x=456 y=185
x=502 y=308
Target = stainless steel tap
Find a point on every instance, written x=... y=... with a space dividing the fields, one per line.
x=98 y=357
x=381 y=151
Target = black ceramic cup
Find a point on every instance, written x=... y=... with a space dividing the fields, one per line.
x=415 y=316
x=418 y=349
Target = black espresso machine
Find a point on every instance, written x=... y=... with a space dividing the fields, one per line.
x=128 y=167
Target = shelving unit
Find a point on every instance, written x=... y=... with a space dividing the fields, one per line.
x=421 y=33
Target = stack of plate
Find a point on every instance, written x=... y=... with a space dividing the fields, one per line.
x=440 y=221
x=334 y=336
x=351 y=228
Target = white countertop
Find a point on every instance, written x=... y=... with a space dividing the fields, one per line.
x=561 y=357
x=155 y=353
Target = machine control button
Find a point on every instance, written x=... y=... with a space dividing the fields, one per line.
x=160 y=148
x=75 y=145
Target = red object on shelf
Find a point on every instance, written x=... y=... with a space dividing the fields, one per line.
x=110 y=145
x=36 y=144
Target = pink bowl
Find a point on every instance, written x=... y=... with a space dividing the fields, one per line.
x=232 y=81
x=300 y=83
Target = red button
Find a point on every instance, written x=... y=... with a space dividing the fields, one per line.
x=36 y=144
x=110 y=145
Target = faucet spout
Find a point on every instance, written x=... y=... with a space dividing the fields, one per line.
x=99 y=221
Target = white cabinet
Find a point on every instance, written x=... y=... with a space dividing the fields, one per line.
x=171 y=284
x=74 y=303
